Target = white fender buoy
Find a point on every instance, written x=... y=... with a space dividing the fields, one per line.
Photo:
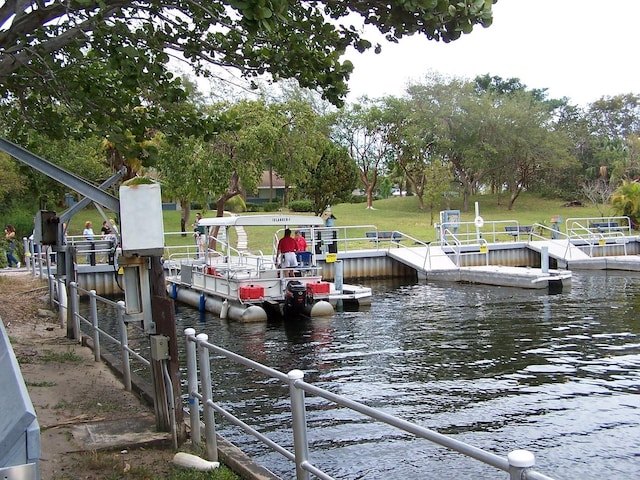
x=479 y=221
x=187 y=460
x=224 y=310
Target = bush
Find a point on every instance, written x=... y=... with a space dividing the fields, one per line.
x=236 y=204
x=253 y=207
x=271 y=206
x=301 y=206
x=358 y=199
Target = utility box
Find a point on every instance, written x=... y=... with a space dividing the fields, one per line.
x=141 y=222
x=45 y=229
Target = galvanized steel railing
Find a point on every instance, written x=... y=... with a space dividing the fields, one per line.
x=519 y=463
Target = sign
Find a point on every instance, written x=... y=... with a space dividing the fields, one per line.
x=484 y=248
x=331 y=257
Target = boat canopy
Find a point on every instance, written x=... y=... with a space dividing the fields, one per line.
x=262 y=221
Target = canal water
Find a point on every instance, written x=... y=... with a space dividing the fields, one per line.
x=498 y=368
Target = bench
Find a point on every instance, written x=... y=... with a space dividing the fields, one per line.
x=377 y=236
x=602 y=227
x=516 y=230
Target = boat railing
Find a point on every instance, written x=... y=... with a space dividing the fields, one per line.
x=201 y=358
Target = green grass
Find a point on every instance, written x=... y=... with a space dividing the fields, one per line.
x=396 y=213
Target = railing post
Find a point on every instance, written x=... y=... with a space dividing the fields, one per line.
x=62 y=301
x=52 y=290
x=93 y=312
x=73 y=293
x=519 y=462
x=124 y=341
x=298 y=416
x=205 y=382
x=192 y=386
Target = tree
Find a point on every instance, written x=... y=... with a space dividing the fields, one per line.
x=626 y=201
x=333 y=178
x=362 y=130
x=105 y=59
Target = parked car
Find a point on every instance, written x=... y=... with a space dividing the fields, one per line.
x=396 y=192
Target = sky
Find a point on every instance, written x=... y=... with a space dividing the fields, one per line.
x=579 y=49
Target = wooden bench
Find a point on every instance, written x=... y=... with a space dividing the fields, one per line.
x=377 y=236
x=516 y=230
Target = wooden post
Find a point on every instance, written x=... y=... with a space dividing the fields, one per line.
x=163 y=312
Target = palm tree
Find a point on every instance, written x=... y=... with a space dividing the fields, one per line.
x=626 y=201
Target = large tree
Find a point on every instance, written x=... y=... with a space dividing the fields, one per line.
x=104 y=59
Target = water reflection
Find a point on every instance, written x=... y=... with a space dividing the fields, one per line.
x=499 y=368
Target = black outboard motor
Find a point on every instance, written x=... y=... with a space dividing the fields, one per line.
x=295 y=298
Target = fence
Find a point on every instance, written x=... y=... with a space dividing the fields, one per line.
x=518 y=463
x=92 y=322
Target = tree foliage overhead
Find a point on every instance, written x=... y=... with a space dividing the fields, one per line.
x=101 y=56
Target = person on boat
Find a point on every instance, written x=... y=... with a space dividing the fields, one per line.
x=199 y=235
x=300 y=241
x=287 y=247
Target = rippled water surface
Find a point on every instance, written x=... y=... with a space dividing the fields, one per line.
x=498 y=368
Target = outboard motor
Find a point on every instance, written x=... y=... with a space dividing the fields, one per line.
x=295 y=298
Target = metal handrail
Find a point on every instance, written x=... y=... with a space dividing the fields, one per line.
x=518 y=463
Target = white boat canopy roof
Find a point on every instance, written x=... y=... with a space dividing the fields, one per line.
x=262 y=221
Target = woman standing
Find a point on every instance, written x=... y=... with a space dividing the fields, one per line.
x=10 y=248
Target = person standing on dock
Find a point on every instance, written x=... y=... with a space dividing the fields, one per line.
x=287 y=247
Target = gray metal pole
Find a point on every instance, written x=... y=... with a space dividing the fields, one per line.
x=519 y=462
x=544 y=259
x=124 y=340
x=93 y=312
x=192 y=385
x=205 y=382
x=298 y=416
x=73 y=293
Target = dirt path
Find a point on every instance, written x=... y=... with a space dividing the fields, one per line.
x=69 y=390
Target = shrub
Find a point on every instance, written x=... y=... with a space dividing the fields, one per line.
x=301 y=206
x=253 y=207
x=271 y=206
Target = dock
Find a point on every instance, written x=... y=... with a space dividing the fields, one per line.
x=433 y=263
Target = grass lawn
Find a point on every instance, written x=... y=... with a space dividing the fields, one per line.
x=395 y=213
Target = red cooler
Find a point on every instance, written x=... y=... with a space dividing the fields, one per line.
x=249 y=292
x=320 y=288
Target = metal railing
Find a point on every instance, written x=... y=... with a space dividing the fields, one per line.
x=91 y=321
x=519 y=463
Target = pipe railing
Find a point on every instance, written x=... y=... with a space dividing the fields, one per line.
x=519 y=463
x=92 y=322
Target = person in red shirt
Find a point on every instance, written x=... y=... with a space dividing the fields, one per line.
x=301 y=241
x=287 y=247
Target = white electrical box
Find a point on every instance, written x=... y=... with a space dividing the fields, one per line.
x=141 y=220
x=159 y=347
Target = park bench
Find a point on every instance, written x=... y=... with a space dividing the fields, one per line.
x=377 y=236
x=515 y=230
x=607 y=227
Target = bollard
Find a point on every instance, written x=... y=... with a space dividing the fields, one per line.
x=192 y=386
x=205 y=382
x=519 y=462
x=298 y=416
x=339 y=275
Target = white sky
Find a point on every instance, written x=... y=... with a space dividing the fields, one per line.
x=580 y=49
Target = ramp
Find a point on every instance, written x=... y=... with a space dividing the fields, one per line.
x=423 y=259
x=559 y=249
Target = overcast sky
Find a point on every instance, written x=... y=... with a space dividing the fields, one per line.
x=580 y=49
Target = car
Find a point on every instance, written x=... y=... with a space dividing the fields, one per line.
x=396 y=192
